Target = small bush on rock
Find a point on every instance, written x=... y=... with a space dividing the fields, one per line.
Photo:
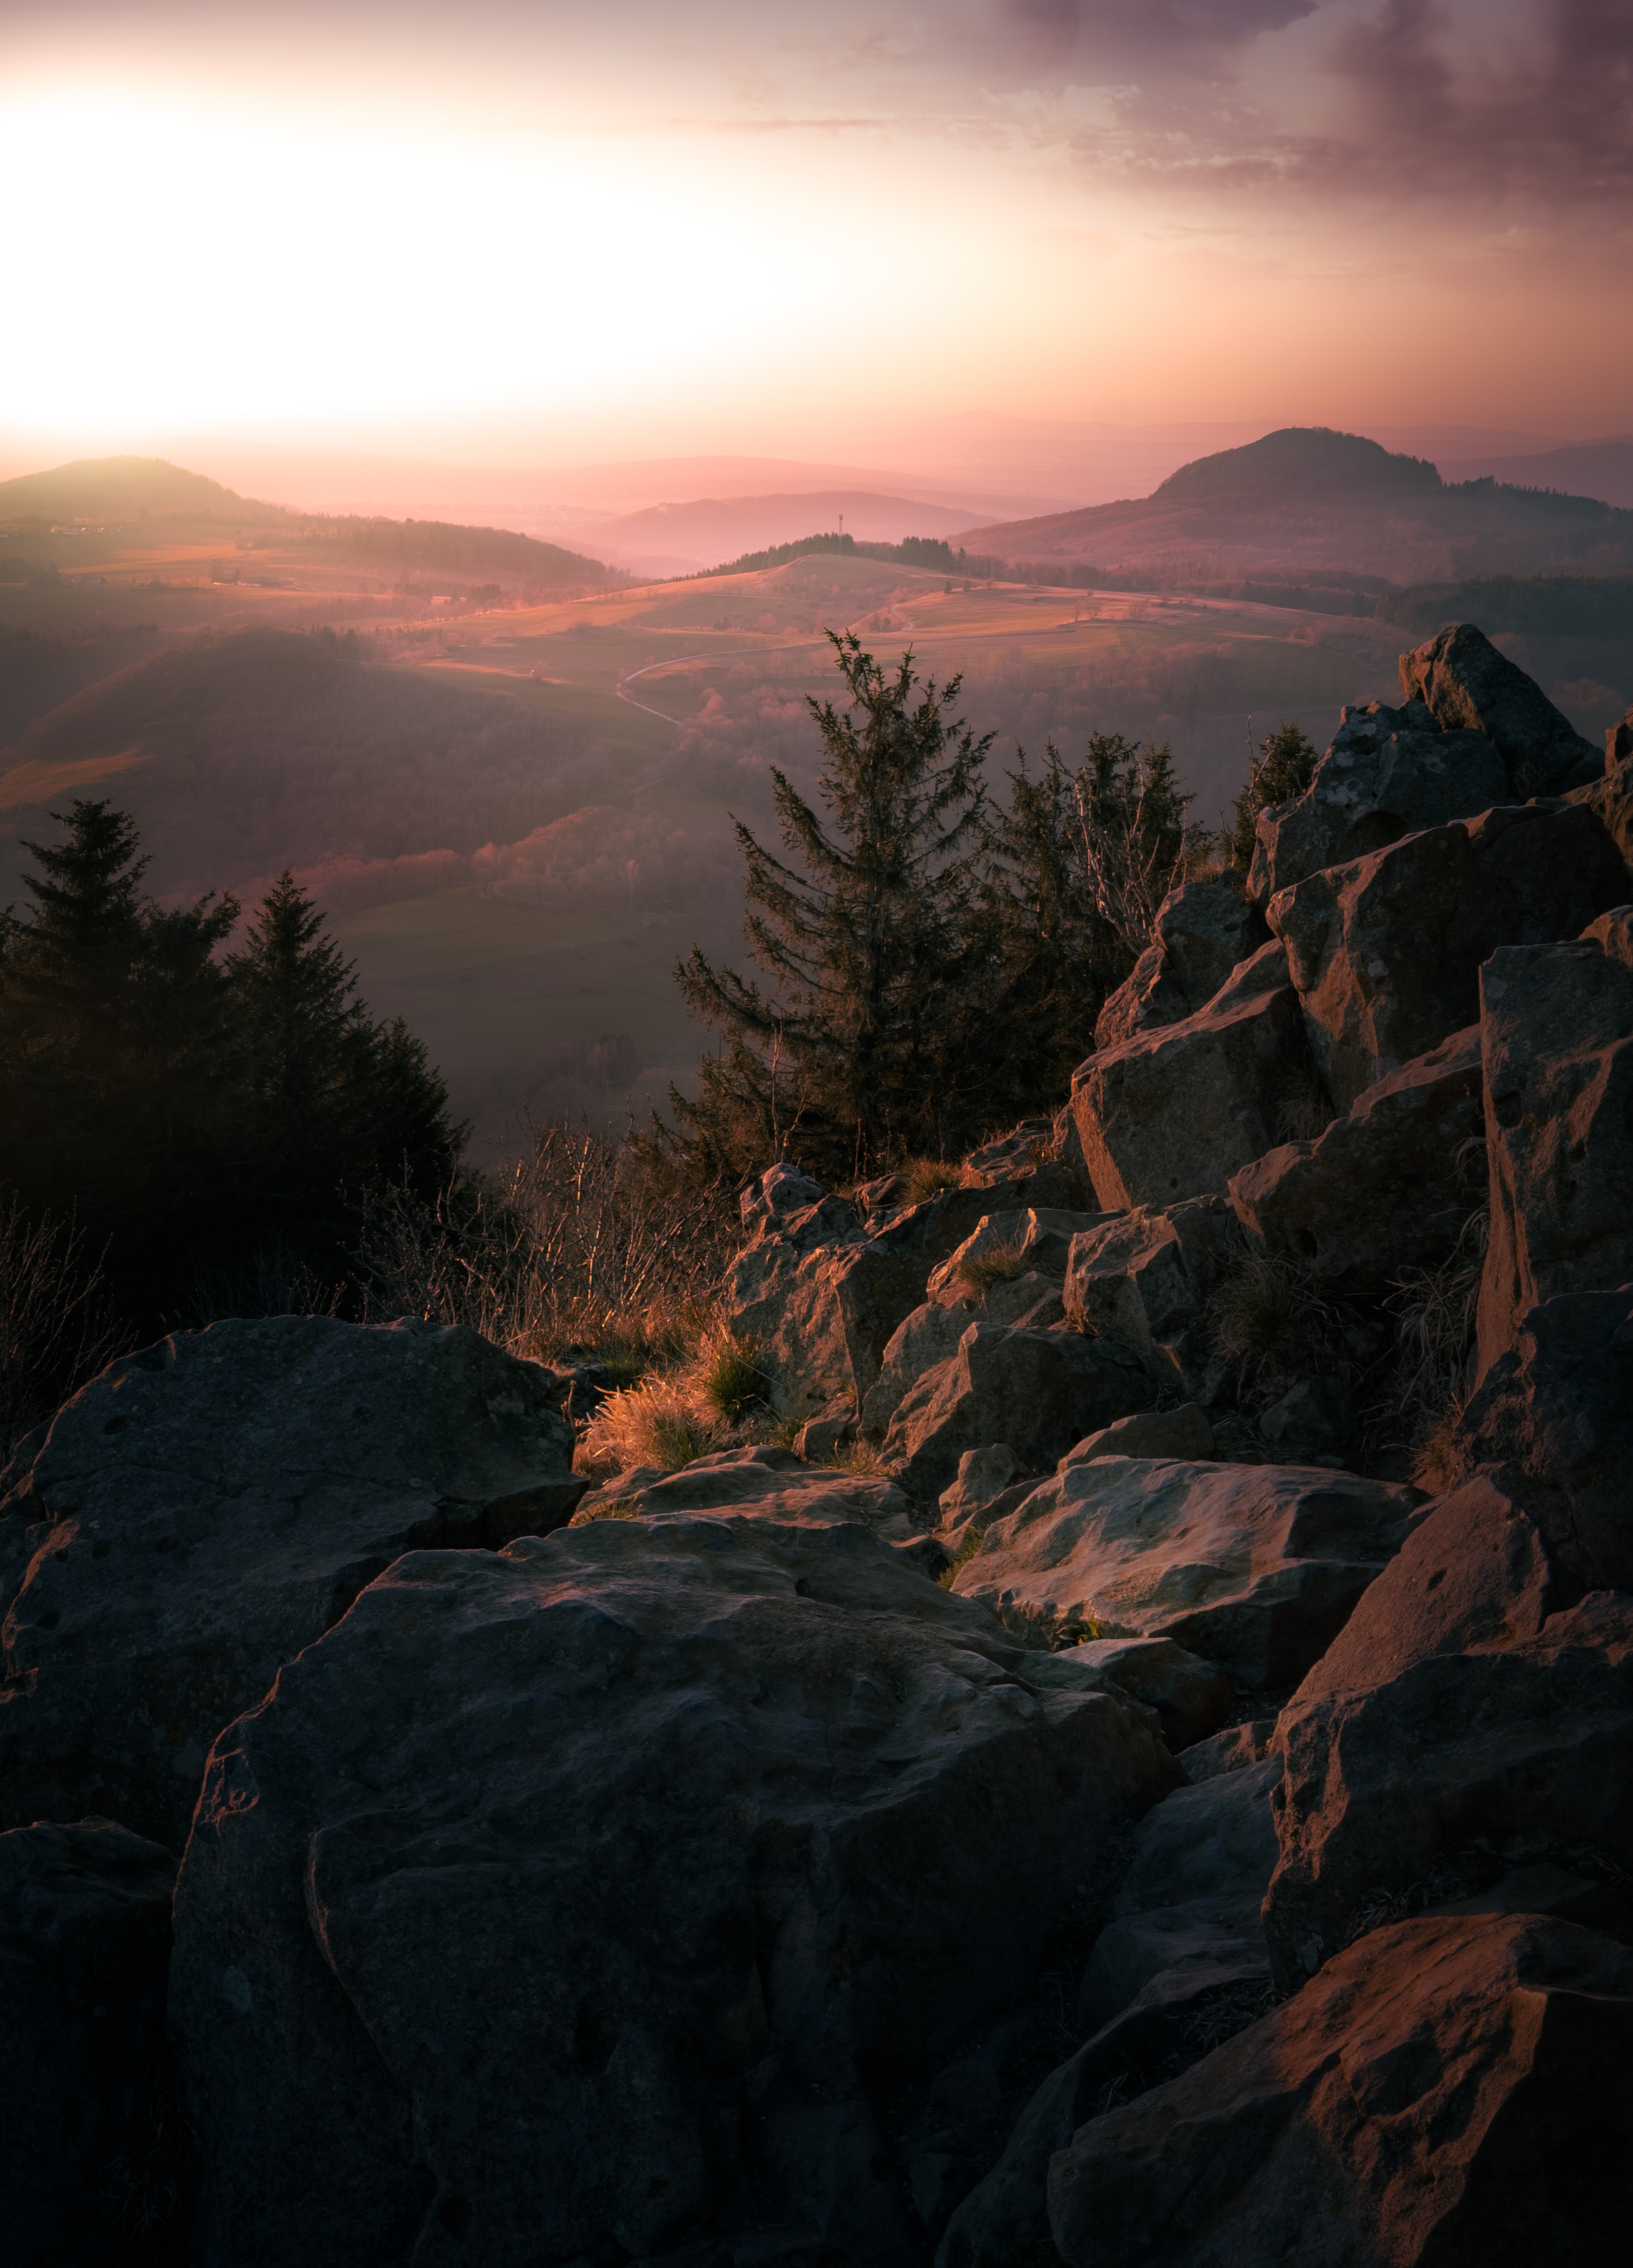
x=733 y=1380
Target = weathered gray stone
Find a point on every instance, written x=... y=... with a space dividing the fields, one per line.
x=782 y=1195
x=1037 y=1391
x=1385 y=1189
x=206 y=1508
x=1556 y=1034
x=1230 y=1750
x=1254 y=1567
x=1182 y=1432
x=1174 y=1112
x=1509 y=1747
x=1203 y=931
x=1387 y=773
x=1552 y=1423
x=1143 y=1278
x=1446 y=2091
x=1464 y=682
x=610 y=1886
x=1474 y=1572
x=1384 y=953
x=928 y=1337
x=85 y=1943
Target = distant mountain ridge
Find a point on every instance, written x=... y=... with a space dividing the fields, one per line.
x=1307 y=498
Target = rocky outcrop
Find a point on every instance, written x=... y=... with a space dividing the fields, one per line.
x=1386 y=772
x=1556 y=1037
x=1254 y=1567
x=1553 y=1424
x=1385 y=953
x=1143 y=1279
x=204 y=1509
x=84 y=1942
x=1463 y=680
x=1442 y=2092
x=1499 y=1748
x=600 y=1895
x=1173 y=1113
x=1027 y=1243
x=1387 y=1188
x=1203 y=931
x=989 y=1484
x=1036 y=1391
x=820 y=1295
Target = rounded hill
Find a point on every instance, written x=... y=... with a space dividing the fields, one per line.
x=1293 y=464
x=115 y=487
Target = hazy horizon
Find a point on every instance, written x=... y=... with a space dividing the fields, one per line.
x=1017 y=246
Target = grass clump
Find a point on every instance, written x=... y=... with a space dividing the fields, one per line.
x=999 y=1263
x=662 y=1422
x=731 y=1379
x=1269 y=1320
x=961 y=1557
x=1434 y=1311
x=923 y=1178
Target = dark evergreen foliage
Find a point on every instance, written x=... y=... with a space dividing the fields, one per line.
x=1283 y=769
x=188 y=1111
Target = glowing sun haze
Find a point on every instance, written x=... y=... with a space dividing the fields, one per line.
x=635 y=228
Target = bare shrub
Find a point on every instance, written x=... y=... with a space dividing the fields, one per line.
x=56 y=1325
x=583 y=1245
x=275 y=1281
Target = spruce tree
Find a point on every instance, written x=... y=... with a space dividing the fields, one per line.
x=873 y=947
x=1283 y=768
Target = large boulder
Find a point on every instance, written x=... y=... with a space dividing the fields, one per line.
x=1255 y=1567
x=1036 y=1391
x=922 y=1343
x=84 y=1945
x=1144 y=1279
x=820 y=1296
x=1556 y=1034
x=1463 y=680
x=1450 y=2090
x=1474 y=1571
x=1174 y=1112
x=1552 y=1422
x=1387 y=773
x=602 y=1897
x=1384 y=953
x=206 y=1508
x=1502 y=1749
x=1386 y=1189
x=1192 y=1697
x=1203 y=931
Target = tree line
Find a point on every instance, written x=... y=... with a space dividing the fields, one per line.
x=195 y=1110
x=932 y=962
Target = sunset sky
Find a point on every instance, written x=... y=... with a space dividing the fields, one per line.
x=511 y=232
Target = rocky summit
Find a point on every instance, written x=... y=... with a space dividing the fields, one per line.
x=1131 y=1766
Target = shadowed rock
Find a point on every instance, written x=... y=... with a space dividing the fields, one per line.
x=1446 y=2091
x=1465 y=682
x=1203 y=931
x=204 y=1509
x=602 y=1893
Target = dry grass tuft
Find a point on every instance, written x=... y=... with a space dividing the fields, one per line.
x=1268 y=1318
x=731 y=1379
x=56 y=1328
x=1434 y=1311
x=661 y=1422
x=924 y=1178
x=999 y=1263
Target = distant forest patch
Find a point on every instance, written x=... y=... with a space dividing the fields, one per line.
x=1545 y=605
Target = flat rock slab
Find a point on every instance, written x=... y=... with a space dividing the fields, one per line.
x=1448 y=2090
x=1257 y=1567
x=594 y=1895
x=206 y=1508
x=760 y=1480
